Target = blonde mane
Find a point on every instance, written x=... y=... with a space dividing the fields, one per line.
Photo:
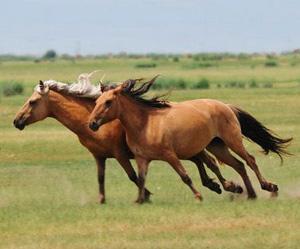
x=82 y=88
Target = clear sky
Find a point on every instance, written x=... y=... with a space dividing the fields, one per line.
x=142 y=26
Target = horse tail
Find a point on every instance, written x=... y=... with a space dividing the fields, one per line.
x=258 y=133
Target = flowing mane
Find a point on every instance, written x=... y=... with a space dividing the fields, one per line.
x=137 y=93
x=82 y=88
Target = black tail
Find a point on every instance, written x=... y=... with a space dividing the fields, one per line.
x=258 y=133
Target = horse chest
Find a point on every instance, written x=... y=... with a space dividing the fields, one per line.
x=144 y=149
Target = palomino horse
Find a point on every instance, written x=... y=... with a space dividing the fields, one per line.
x=158 y=130
x=71 y=105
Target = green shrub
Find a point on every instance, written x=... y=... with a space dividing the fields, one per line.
x=241 y=85
x=243 y=56
x=12 y=88
x=165 y=83
x=201 y=84
x=235 y=84
x=271 y=56
x=199 y=65
x=176 y=59
x=179 y=84
x=145 y=65
x=230 y=84
x=271 y=64
x=205 y=64
x=267 y=85
x=158 y=85
x=253 y=84
x=209 y=56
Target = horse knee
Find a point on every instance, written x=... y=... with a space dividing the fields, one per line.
x=251 y=161
x=240 y=167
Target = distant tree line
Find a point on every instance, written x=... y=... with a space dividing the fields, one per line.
x=51 y=54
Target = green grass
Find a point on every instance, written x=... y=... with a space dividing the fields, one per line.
x=48 y=187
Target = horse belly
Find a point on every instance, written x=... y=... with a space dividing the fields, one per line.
x=190 y=141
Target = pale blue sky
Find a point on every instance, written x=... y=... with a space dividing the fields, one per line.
x=142 y=26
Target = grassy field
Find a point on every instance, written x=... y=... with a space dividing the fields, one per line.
x=48 y=187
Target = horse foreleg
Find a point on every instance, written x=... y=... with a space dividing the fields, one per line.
x=177 y=166
x=142 y=164
x=127 y=166
x=101 y=178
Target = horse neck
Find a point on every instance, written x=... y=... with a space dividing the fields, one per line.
x=132 y=115
x=70 y=111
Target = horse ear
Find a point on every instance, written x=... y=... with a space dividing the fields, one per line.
x=41 y=85
x=42 y=88
x=119 y=89
x=102 y=86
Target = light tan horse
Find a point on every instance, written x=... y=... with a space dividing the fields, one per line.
x=72 y=109
x=157 y=130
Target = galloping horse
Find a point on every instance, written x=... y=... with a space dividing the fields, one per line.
x=71 y=105
x=158 y=130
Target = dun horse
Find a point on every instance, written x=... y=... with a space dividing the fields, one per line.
x=158 y=130
x=71 y=105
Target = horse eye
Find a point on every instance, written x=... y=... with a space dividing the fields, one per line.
x=32 y=102
x=108 y=103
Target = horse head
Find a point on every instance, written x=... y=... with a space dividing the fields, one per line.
x=34 y=109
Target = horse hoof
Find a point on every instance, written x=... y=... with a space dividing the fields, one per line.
x=139 y=201
x=239 y=189
x=252 y=196
x=269 y=187
x=232 y=187
x=147 y=196
x=275 y=188
x=213 y=186
x=198 y=197
x=101 y=200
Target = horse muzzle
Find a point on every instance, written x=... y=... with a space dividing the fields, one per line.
x=94 y=125
x=19 y=124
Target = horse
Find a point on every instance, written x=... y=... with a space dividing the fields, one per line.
x=71 y=105
x=160 y=130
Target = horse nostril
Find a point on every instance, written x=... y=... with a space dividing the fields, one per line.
x=93 y=125
x=15 y=122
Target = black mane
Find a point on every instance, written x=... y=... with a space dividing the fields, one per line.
x=137 y=93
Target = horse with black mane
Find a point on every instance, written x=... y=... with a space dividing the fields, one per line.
x=160 y=130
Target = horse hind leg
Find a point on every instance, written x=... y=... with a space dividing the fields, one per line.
x=265 y=185
x=222 y=153
x=212 y=165
x=205 y=179
x=236 y=144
